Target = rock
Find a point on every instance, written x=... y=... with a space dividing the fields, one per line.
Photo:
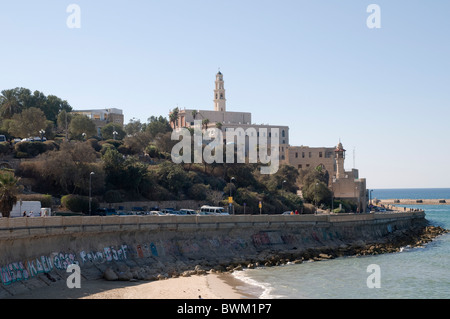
x=188 y=273
x=125 y=276
x=110 y=275
x=161 y=277
x=325 y=256
x=298 y=261
x=238 y=268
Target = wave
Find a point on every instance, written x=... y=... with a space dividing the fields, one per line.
x=265 y=290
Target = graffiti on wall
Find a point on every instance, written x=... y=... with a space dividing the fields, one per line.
x=24 y=270
x=108 y=254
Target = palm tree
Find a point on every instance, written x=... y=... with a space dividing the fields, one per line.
x=194 y=114
x=8 y=193
x=173 y=117
x=205 y=123
x=219 y=125
x=9 y=104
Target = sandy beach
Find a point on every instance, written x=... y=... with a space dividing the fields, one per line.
x=210 y=286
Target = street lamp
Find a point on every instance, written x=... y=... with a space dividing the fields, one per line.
x=90 y=192
x=231 y=203
x=315 y=193
x=84 y=136
x=42 y=132
x=282 y=185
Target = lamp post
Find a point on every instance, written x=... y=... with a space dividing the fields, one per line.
x=315 y=194
x=42 y=132
x=90 y=192
x=282 y=185
x=114 y=135
x=230 y=199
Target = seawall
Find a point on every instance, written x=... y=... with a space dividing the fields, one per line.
x=405 y=201
x=37 y=251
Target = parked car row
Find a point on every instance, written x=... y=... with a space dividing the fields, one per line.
x=28 y=139
x=204 y=210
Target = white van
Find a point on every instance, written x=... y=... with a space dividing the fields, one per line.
x=30 y=208
x=212 y=210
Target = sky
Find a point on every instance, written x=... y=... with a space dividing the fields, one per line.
x=314 y=65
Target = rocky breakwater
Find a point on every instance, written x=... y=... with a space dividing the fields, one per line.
x=394 y=242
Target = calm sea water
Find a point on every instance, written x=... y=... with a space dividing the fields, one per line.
x=419 y=273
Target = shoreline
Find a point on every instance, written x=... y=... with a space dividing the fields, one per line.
x=222 y=284
x=208 y=286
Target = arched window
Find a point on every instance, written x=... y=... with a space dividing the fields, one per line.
x=283 y=134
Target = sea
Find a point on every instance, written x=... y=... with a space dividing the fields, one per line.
x=412 y=273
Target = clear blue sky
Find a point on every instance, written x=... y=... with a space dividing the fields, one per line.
x=313 y=65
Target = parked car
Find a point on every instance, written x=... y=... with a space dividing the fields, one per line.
x=212 y=210
x=188 y=211
x=105 y=212
x=156 y=213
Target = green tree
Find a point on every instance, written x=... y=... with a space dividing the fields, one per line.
x=113 y=131
x=137 y=142
x=52 y=106
x=9 y=103
x=80 y=124
x=315 y=186
x=194 y=114
x=133 y=127
x=8 y=193
x=28 y=123
x=127 y=174
x=205 y=123
x=174 y=178
x=157 y=125
x=173 y=116
x=16 y=100
x=65 y=171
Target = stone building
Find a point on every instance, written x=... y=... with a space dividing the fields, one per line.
x=224 y=119
x=101 y=117
x=344 y=184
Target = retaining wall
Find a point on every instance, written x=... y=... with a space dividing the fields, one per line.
x=37 y=251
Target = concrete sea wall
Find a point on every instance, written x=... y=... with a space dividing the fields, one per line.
x=37 y=251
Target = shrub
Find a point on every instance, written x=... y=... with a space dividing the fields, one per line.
x=198 y=192
x=29 y=149
x=115 y=143
x=105 y=147
x=77 y=203
x=94 y=144
x=4 y=148
x=152 y=151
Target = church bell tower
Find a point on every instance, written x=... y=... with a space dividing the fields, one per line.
x=219 y=94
